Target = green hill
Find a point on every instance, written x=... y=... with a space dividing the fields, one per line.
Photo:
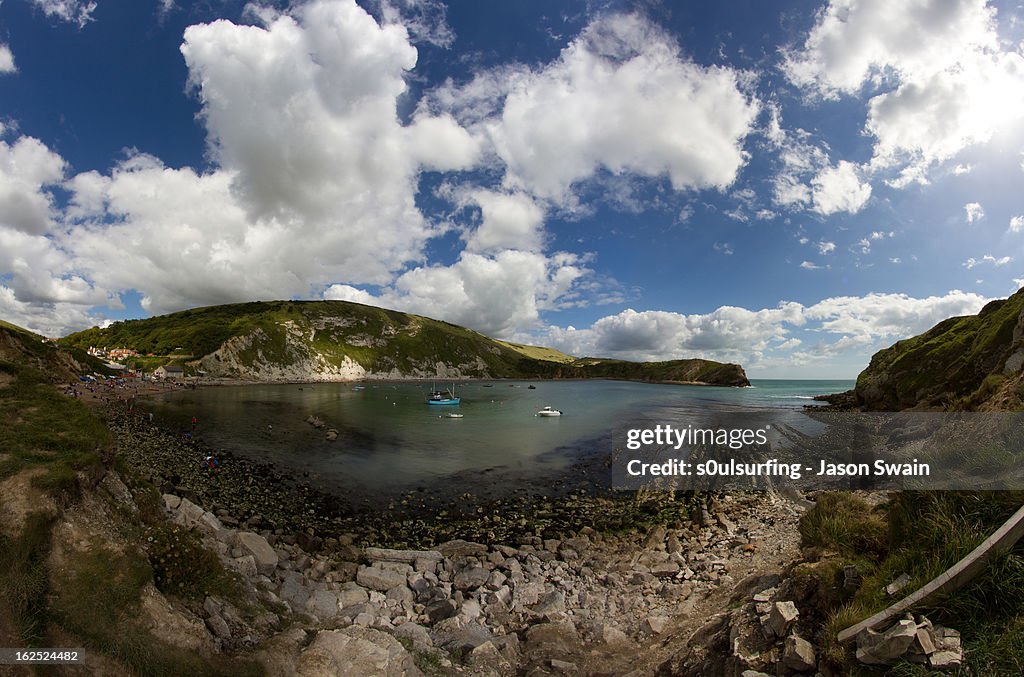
x=337 y=340
x=971 y=362
x=538 y=352
x=20 y=347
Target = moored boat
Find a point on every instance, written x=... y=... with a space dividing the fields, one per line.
x=443 y=397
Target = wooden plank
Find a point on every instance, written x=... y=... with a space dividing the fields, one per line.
x=952 y=579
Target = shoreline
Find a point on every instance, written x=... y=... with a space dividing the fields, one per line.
x=453 y=507
x=499 y=587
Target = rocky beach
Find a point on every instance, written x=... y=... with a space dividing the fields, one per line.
x=590 y=582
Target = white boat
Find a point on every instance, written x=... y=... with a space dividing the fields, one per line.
x=452 y=414
x=549 y=411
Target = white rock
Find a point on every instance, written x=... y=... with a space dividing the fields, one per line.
x=257 y=546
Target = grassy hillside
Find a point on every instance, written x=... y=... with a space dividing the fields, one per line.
x=538 y=352
x=55 y=363
x=324 y=339
x=19 y=330
x=964 y=363
x=61 y=586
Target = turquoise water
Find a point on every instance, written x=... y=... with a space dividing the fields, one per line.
x=390 y=439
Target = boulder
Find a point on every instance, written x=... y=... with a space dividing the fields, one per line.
x=553 y=640
x=113 y=485
x=210 y=524
x=401 y=594
x=461 y=638
x=460 y=548
x=218 y=626
x=355 y=651
x=470 y=610
x=407 y=556
x=352 y=593
x=527 y=595
x=798 y=654
x=188 y=514
x=886 y=648
x=551 y=603
x=323 y=604
x=781 y=616
x=415 y=632
x=610 y=634
x=376 y=578
x=245 y=565
x=655 y=624
x=565 y=667
x=257 y=546
x=471 y=578
x=902 y=581
x=945 y=660
x=655 y=538
x=440 y=610
x=171 y=502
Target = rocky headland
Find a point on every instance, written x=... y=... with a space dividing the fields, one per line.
x=341 y=341
x=964 y=363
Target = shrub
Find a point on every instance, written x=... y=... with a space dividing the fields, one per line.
x=183 y=567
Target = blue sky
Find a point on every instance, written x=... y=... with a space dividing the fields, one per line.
x=791 y=186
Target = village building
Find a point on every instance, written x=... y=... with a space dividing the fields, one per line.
x=168 y=372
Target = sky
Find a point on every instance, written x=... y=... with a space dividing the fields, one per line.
x=788 y=185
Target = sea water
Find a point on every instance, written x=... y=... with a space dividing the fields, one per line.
x=390 y=439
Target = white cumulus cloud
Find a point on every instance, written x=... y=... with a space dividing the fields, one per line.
x=973 y=212
x=937 y=75
x=498 y=294
x=620 y=98
x=28 y=173
x=858 y=323
x=315 y=178
x=7 y=60
x=839 y=189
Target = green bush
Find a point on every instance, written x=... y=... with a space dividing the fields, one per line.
x=183 y=567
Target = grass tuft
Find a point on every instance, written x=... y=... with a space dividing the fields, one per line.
x=845 y=523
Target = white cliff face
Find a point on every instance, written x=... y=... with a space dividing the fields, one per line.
x=258 y=356
x=248 y=356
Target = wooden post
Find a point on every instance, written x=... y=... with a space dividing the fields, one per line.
x=954 y=578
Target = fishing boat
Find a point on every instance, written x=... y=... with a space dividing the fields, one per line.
x=443 y=397
x=548 y=412
x=453 y=414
